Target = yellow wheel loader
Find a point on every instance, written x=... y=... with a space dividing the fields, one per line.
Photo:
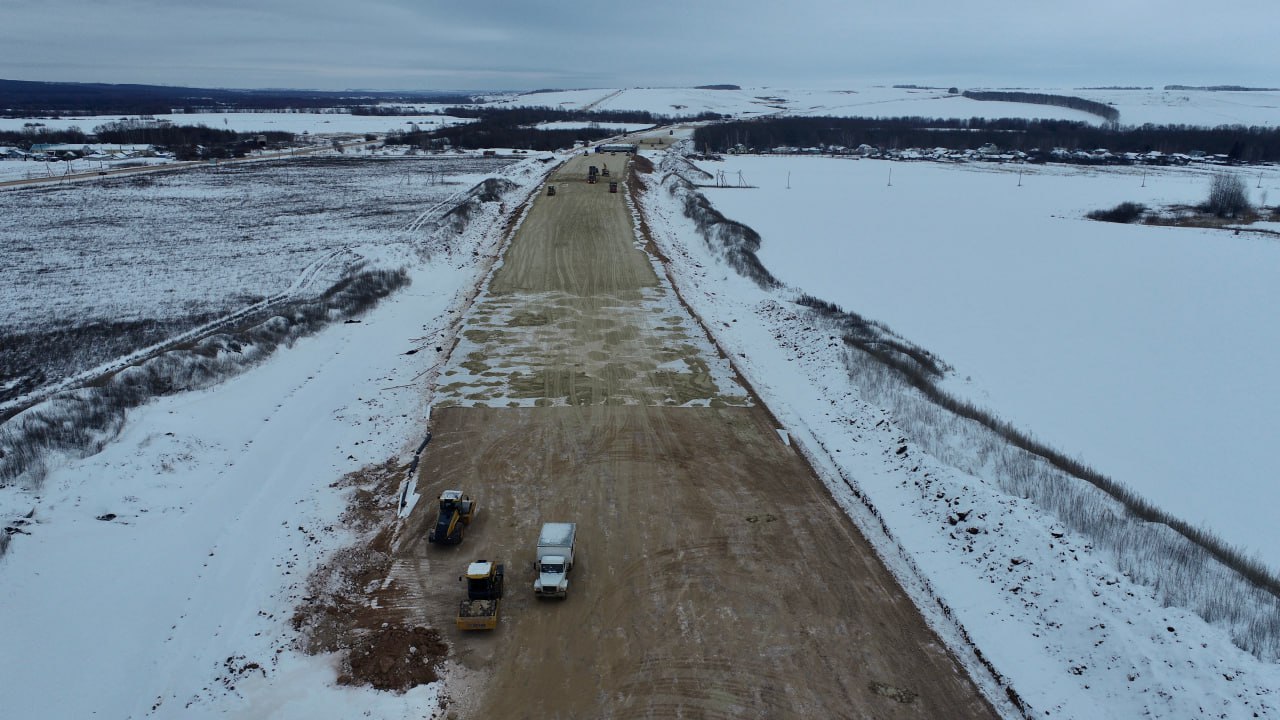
x=456 y=513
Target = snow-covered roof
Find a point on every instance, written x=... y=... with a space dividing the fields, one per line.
x=59 y=147
x=451 y=495
x=557 y=533
x=479 y=568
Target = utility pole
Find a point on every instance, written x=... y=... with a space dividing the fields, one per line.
x=890 y=176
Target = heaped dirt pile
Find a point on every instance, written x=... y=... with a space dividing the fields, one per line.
x=642 y=164
x=348 y=607
x=396 y=658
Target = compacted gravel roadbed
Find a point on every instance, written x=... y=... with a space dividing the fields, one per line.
x=716 y=578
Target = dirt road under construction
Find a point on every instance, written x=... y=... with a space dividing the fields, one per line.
x=716 y=577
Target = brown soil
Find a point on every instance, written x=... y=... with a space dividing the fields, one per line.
x=344 y=607
x=396 y=658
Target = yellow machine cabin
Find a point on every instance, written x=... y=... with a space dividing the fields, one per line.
x=484 y=596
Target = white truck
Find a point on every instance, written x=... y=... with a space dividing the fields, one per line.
x=554 y=559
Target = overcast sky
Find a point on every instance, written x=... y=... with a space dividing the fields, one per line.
x=528 y=44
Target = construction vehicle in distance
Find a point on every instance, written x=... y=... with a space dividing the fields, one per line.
x=592 y=172
x=556 y=545
x=484 y=594
x=613 y=187
x=551 y=190
x=456 y=513
x=604 y=170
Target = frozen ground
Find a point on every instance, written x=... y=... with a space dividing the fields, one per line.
x=507 y=357
x=1071 y=635
x=161 y=574
x=1134 y=348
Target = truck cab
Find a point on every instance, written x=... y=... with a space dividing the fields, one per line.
x=553 y=577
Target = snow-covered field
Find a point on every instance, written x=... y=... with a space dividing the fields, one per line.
x=1137 y=107
x=1135 y=348
x=870 y=101
x=170 y=245
x=161 y=574
x=222 y=504
x=577 y=125
x=1071 y=634
x=1190 y=107
x=249 y=122
x=154 y=255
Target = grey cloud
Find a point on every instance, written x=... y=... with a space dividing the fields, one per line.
x=503 y=44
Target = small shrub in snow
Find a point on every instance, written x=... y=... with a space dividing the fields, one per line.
x=1125 y=212
x=877 y=340
x=1228 y=196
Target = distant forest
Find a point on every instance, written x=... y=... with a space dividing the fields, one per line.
x=187 y=142
x=483 y=135
x=21 y=98
x=1093 y=107
x=532 y=115
x=1238 y=143
x=1221 y=88
x=515 y=128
